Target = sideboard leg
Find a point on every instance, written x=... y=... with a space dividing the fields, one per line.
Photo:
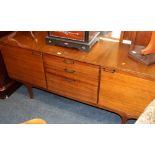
x=124 y=119
x=29 y=88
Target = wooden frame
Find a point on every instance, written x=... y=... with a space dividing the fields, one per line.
x=136 y=37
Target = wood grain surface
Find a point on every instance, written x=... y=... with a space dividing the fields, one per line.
x=126 y=93
x=24 y=65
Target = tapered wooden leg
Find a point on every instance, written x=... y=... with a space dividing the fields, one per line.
x=124 y=119
x=29 y=88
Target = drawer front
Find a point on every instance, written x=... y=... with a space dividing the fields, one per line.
x=74 y=35
x=125 y=93
x=72 y=69
x=71 y=88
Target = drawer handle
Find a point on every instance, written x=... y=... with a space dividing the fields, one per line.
x=109 y=70
x=69 y=80
x=68 y=61
x=37 y=53
x=69 y=71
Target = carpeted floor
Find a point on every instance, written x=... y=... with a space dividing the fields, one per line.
x=54 y=109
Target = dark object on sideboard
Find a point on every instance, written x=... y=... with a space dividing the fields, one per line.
x=82 y=40
x=7 y=85
x=136 y=55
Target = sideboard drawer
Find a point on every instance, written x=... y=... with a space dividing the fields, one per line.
x=72 y=69
x=56 y=62
x=71 y=88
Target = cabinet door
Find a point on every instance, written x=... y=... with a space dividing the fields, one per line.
x=125 y=93
x=24 y=65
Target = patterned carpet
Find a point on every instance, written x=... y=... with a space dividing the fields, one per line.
x=53 y=108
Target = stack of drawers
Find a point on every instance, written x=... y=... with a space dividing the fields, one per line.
x=72 y=78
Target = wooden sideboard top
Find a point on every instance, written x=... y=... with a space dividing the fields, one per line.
x=104 y=53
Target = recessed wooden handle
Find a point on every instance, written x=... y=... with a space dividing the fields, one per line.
x=36 y=53
x=110 y=70
x=69 y=71
x=67 y=61
x=69 y=80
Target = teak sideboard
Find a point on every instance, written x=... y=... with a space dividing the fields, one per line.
x=104 y=77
